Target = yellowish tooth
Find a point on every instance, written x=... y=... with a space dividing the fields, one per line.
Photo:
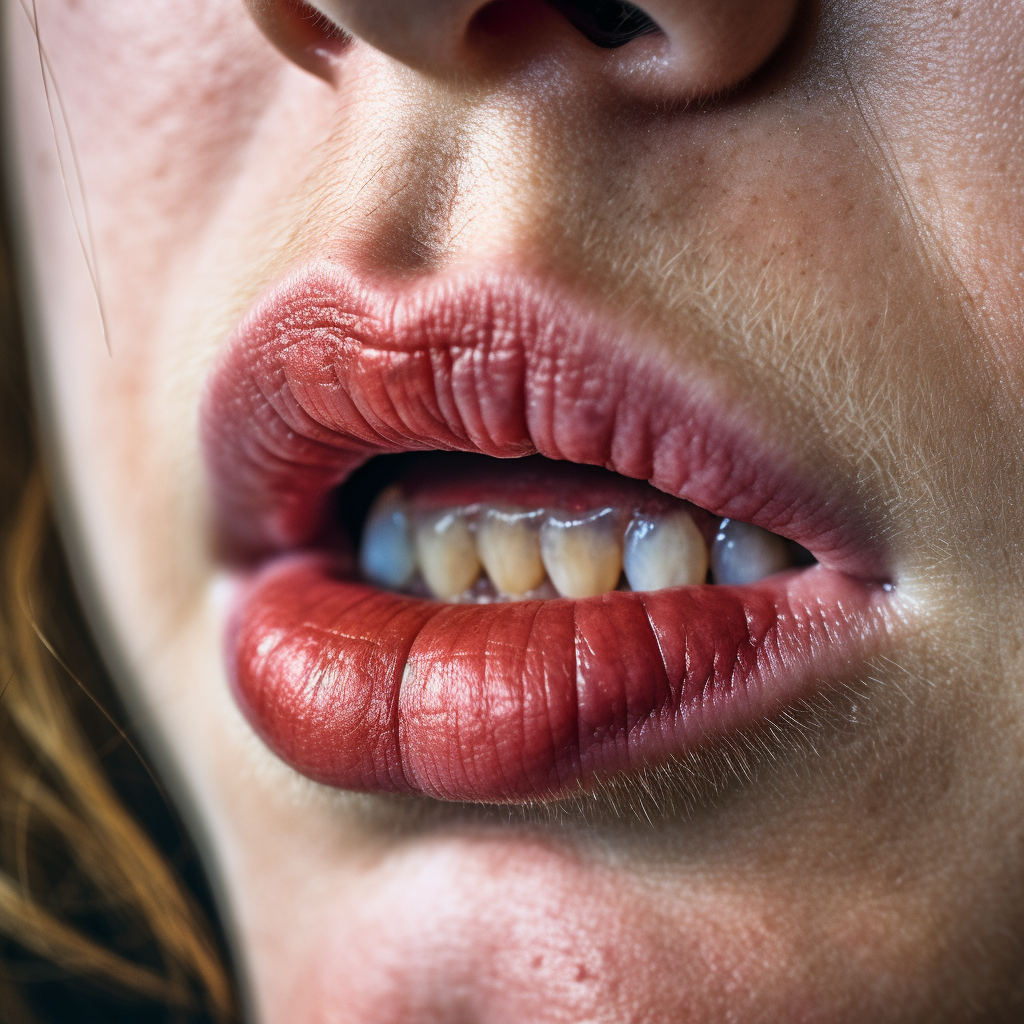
x=664 y=551
x=510 y=550
x=446 y=554
x=582 y=554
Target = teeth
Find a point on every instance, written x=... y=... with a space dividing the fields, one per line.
x=446 y=554
x=386 y=556
x=510 y=550
x=583 y=555
x=664 y=551
x=744 y=554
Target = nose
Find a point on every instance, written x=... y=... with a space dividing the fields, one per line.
x=672 y=49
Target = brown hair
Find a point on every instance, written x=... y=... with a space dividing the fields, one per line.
x=82 y=885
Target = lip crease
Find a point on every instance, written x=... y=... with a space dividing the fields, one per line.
x=365 y=689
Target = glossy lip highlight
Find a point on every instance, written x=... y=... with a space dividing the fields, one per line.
x=370 y=690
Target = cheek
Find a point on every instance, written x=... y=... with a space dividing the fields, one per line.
x=150 y=105
x=949 y=125
x=153 y=104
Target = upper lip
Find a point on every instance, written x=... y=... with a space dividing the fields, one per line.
x=371 y=690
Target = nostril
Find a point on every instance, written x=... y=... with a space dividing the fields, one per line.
x=608 y=23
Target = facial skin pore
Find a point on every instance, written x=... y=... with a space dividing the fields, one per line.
x=835 y=245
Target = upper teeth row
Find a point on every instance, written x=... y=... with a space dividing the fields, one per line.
x=527 y=552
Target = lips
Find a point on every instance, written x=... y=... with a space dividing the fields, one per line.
x=369 y=690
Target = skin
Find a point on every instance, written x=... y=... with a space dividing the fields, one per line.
x=838 y=244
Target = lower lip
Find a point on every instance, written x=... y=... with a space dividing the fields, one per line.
x=374 y=691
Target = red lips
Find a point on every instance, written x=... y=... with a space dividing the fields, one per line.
x=370 y=690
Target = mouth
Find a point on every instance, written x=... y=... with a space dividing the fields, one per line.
x=495 y=548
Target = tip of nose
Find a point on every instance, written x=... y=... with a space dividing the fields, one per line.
x=665 y=49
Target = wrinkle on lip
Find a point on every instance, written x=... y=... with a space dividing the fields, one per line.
x=327 y=372
x=530 y=699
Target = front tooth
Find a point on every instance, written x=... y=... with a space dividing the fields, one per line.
x=744 y=554
x=582 y=554
x=510 y=550
x=664 y=551
x=386 y=554
x=446 y=554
